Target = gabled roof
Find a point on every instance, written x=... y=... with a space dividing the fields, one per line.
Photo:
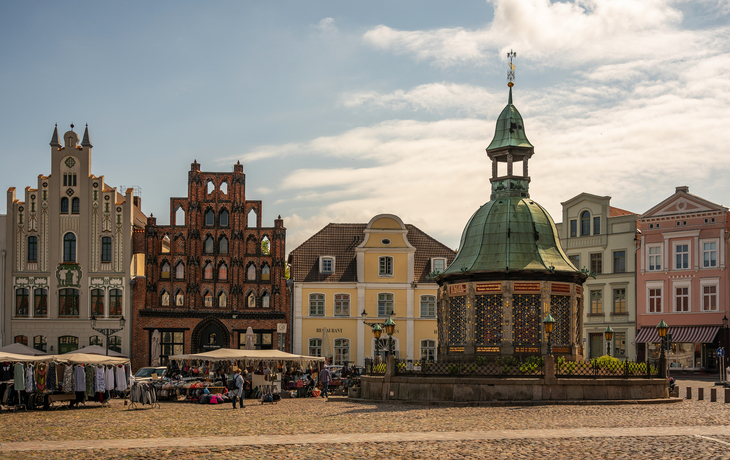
x=682 y=202
x=340 y=240
x=616 y=212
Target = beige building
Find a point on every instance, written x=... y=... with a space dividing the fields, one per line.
x=69 y=255
x=601 y=239
x=380 y=268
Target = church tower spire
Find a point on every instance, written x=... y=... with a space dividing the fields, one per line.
x=54 y=138
x=85 y=142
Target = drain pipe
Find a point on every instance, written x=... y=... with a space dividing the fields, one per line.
x=132 y=282
x=2 y=313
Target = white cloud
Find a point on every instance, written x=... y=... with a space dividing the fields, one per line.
x=326 y=25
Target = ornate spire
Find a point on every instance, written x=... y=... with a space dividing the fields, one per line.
x=511 y=72
x=86 y=142
x=54 y=138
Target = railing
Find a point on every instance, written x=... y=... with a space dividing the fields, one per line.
x=498 y=367
x=374 y=366
x=604 y=367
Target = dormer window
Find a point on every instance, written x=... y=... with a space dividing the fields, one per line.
x=326 y=264
x=438 y=264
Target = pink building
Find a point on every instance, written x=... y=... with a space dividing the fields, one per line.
x=682 y=279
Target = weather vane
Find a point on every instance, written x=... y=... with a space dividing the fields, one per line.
x=511 y=71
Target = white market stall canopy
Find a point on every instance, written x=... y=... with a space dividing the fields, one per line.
x=96 y=350
x=20 y=349
x=232 y=354
x=16 y=358
x=86 y=358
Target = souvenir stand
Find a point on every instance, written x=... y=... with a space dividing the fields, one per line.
x=264 y=366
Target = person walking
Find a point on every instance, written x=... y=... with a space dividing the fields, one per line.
x=238 y=392
x=326 y=378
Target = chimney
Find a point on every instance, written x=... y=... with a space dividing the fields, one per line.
x=195 y=166
x=682 y=188
x=137 y=202
x=238 y=167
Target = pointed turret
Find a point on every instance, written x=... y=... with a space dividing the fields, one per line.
x=85 y=142
x=54 y=138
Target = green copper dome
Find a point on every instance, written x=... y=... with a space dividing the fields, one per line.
x=510 y=131
x=509 y=234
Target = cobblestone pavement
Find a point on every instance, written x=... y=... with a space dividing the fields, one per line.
x=317 y=417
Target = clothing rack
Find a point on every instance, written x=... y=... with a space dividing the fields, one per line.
x=143 y=394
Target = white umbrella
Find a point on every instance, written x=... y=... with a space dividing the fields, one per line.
x=20 y=349
x=249 y=339
x=97 y=350
x=155 y=349
x=326 y=348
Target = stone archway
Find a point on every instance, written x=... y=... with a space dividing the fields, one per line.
x=210 y=334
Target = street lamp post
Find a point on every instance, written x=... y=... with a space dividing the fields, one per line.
x=609 y=336
x=662 y=329
x=107 y=332
x=378 y=328
x=549 y=323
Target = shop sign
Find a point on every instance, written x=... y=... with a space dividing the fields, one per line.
x=456 y=349
x=487 y=349
x=527 y=349
x=330 y=330
x=457 y=289
x=281 y=328
x=565 y=350
x=527 y=287
x=488 y=287
x=560 y=287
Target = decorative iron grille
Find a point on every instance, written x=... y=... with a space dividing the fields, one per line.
x=560 y=311
x=489 y=319
x=457 y=320
x=374 y=367
x=533 y=366
x=604 y=368
x=526 y=312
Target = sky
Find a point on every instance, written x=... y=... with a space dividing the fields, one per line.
x=340 y=111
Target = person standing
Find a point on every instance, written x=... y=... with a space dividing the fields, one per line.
x=238 y=392
x=326 y=378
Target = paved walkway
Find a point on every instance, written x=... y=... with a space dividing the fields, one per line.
x=213 y=441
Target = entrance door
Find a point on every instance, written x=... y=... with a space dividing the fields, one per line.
x=597 y=345
x=212 y=338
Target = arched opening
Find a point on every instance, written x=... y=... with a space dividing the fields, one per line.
x=180 y=270
x=179 y=298
x=265 y=300
x=207 y=299
x=208 y=245
x=165 y=245
x=265 y=273
x=69 y=247
x=165 y=298
x=265 y=246
x=251 y=300
x=210 y=334
x=251 y=219
x=223 y=245
x=210 y=187
x=75 y=205
x=251 y=273
x=223 y=271
x=223 y=221
x=180 y=216
x=224 y=188
x=208 y=271
x=222 y=300
x=165 y=270
x=585 y=223
x=64 y=205
x=209 y=218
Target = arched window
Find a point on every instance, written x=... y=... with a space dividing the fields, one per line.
x=69 y=247
x=265 y=300
x=265 y=273
x=32 y=249
x=209 y=218
x=207 y=299
x=251 y=219
x=64 y=205
x=342 y=351
x=180 y=216
x=40 y=343
x=115 y=302
x=165 y=271
x=265 y=246
x=180 y=271
x=22 y=339
x=210 y=187
x=106 y=248
x=223 y=221
x=115 y=343
x=208 y=245
x=251 y=300
x=165 y=299
x=223 y=272
x=208 y=271
x=179 y=298
x=75 y=205
x=40 y=301
x=97 y=302
x=68 y=302
x=22 y=297
x=223 y=246
x=251 y=273
x=165 y=245
x=428 y=350
x=222 y=300
x=585 y=223
x=224 y=188
x=315 y=347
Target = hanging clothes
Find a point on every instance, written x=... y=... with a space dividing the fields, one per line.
x=99 y=385
x=109 y=379
x=6 y=372
x=51 y=377
x=40 y=377
x=68 y=379
x=89 y=381
x=121 y=378
x=29 y=380
x=79 y=379
x=19 y=378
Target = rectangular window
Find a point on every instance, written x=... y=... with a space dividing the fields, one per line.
x=681 y=252
x=171 y=343
x=65 y=179
x=40 y=343
x=575 y=260
x=23 y=339
x=385 y=266
x=315 y=347
x=342 y=305
x=115 y=302
x=655 y=258
x=709 y=254
x=385 y=304
x=681 y=299
x=619 y=301
x=709 y=298
x=619 y=261
x=97 y=302
x=342 y=351
x=655 y=300
x=428 y=350
x=21 y=301
x=68 y=302
x=596 y=225
x=573 y=228
x=328 y=265
x=596 y=302
x=597 y=263
x=115 y=343
x=316 y=304
x=96 y=340
x=40 y=302
x=106 y=249
x=438 y=265
x=32 y=249
x=428 y=306
x=619 y=344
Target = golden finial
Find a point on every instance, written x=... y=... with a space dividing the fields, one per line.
x=511 y=71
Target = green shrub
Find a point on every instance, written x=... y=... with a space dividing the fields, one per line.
x=454 y=369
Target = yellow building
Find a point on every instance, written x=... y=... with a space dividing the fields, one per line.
x=380 y=268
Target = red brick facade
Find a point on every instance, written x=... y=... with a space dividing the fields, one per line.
x=195 y=286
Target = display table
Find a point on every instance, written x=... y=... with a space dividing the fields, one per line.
x=59 y=398
x=258 y=380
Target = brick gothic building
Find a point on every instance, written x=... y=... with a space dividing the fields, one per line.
x=210 y=274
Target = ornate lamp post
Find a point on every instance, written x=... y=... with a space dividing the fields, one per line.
x=378 y=328
x=107 y=332
x=662 y=328
x=609 y=336
x=549 y=323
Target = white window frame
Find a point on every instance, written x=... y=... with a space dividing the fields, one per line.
x=323 y=300
x=318 y=348
x=716 y=251
x=335 y=349
x=423 y=347
x=650 y=256
x=682 y=285
x=421 y=305
x=322 y=260
x=713 y=282
x=339 y=303
x=389 y=267
x=649 y=287
x=433 y=264
x=392 y=301
x=676 y=244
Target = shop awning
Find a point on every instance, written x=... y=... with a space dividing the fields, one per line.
x=680 y=334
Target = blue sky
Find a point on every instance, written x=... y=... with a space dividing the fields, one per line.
x=343 y=110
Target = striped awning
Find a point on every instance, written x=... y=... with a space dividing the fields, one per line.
x=680 y=334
